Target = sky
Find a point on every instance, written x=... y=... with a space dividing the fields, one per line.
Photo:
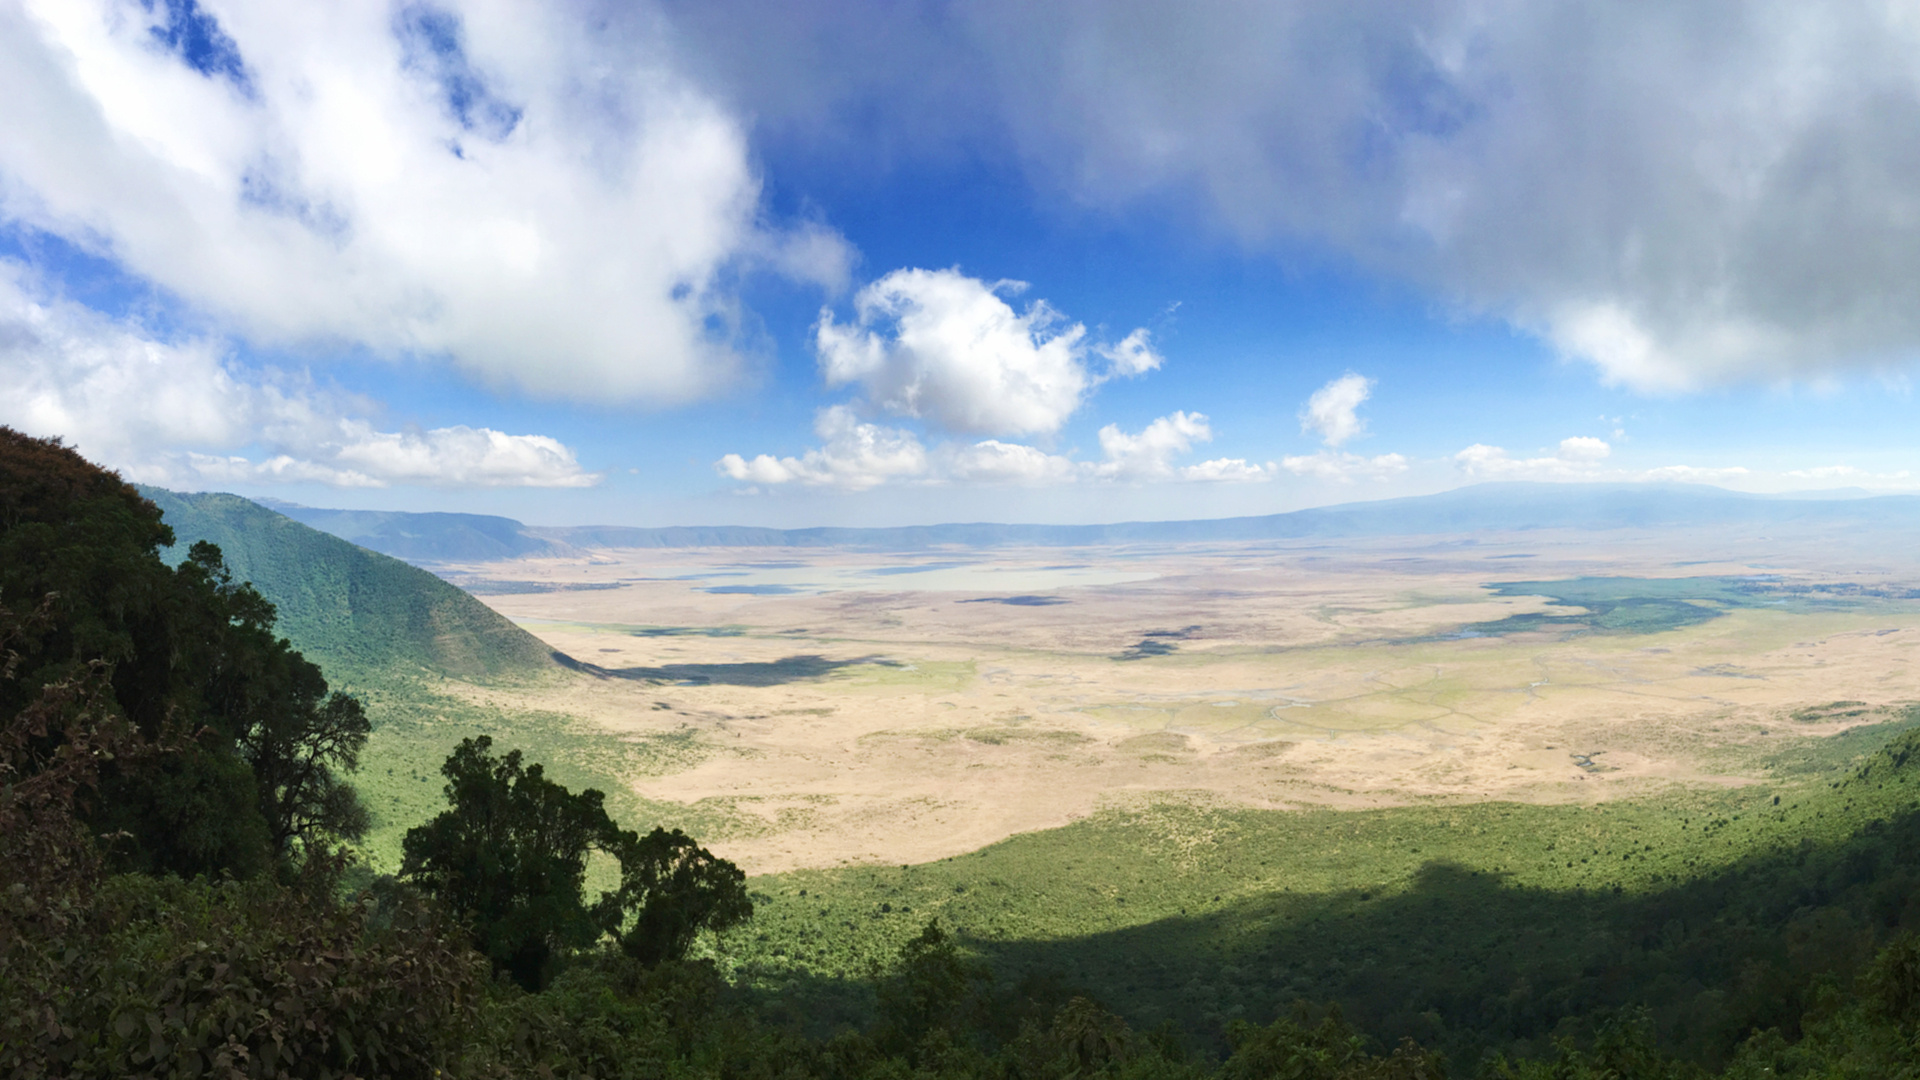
x=876 y=262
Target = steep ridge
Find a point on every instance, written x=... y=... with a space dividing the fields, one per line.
x=355 y=612
x=430 y=538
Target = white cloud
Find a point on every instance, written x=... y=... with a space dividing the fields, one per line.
x=1584 y=448
x=1333 y=465
x=1578 y=458
x=1853 y=475
x=1330 y=411
x=1711 y=192
x=1149 y=455
x=174 y=412
x=1228 y=471
x=856 y=455
x=940 y=346
x=1697 y=474
x=541 y=196
x=991 y=461
x=1133 y=355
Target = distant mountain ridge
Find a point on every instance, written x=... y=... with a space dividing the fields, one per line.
x=1510 y=506
x=347 y=608
x=433 y=537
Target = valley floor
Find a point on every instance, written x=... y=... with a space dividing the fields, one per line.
x=808 y=708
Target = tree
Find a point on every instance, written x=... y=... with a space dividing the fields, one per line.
x=676 y=889
x=933 y=993
x=256 y=745
x=295 y=736
x=509 y=854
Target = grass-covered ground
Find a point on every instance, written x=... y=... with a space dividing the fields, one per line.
x=417 y=723
x=1467 y=926
x=1471 y=927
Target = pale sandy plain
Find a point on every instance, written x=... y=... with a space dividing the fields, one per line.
x=895 y=708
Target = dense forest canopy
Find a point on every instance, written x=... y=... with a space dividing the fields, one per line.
x=258 y=745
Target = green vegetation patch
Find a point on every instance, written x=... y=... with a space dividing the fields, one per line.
x=352 y=611
x=933 y=675
x=1832 y=710
x=1417 y=920
x=1157 y=744
x=1003 y=736
x=1624 y=605
x=1811 y=755
x=1615 y=605
x=417 y=726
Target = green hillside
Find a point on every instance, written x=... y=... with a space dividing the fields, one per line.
x=355 y=612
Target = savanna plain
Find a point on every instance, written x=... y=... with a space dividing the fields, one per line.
x=1204 y=781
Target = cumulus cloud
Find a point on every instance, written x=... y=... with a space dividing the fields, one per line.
x=356 y=455
x=1228 y=471
x=174 y=413
x=1584 y=458
x=1584 y=449
x=856 y=455
x=1578 y=458
x=943 y=347
x=540 y=196
x=1132 y=355
x=1679 y=195
x=1149 y=454
x=991 y=461
x=1330 y=411
x=1343 y=467
x=1853 y=475
x=1697 y=474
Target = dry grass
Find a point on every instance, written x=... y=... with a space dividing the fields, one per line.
x=879 y=716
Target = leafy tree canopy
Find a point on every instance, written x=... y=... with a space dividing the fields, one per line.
x=510 y=854
x=258 y=743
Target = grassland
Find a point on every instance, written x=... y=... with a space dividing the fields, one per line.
x=1477 y=810
x=1488 y=926
x=1408 y=785
x=840 y=725
x=418 y=722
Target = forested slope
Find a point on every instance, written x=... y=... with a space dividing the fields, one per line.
x=352 y=610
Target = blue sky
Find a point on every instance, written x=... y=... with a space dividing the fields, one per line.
x=880 y=263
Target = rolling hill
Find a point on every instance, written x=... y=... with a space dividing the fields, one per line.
x=355 y=612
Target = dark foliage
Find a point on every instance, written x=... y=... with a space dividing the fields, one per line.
x=131 y=975
x=187 y=658
x=675 y=889
x=510 y=855
x=933 y=999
